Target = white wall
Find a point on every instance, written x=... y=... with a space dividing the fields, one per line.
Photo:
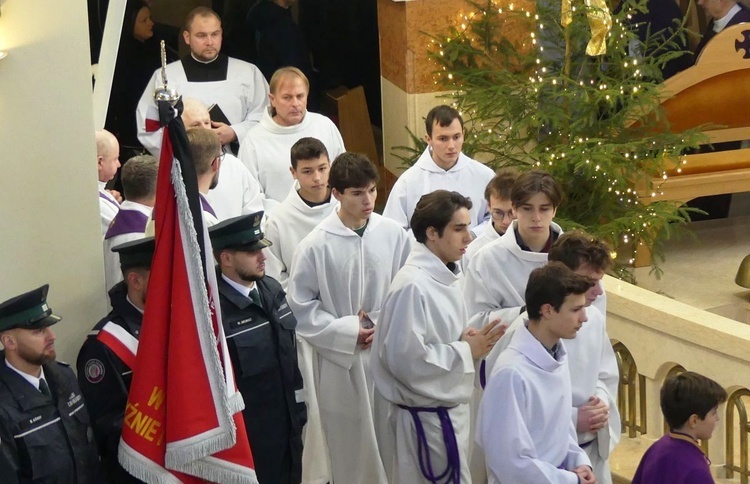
x=49 y=215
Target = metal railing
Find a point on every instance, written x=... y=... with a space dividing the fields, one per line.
x=631 y=395
x=735 y=402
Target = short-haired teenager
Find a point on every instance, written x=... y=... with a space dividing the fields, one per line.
x=526 y=434
x=496 y=275
x=441 y=166
x=497 y=196
x=338 y=280
x=309 y=202
x=690 y=404
x=423 y=357
x=593 y=367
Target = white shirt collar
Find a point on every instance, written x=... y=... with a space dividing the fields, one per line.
x=34 y=381
x=242 y=289
x=720 y=24
x=202 y=61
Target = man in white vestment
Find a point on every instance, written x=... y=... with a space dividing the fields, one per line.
x=309 y=202
x=523 y=428
x=339 y=277
x=593 y=367
x=237 y=192
x=139 y=188
x=496 y=275
x=236 y=88
x=107 y=163
x=442 y=166
x=265 y=148
x=424 y=353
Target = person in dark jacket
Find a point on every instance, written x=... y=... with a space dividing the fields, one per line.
x=260 y=332
x=45 y=436
x=106 y=358
x=723 y=13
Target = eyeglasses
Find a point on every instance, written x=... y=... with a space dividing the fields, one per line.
x=221 y=156
x=500 y=215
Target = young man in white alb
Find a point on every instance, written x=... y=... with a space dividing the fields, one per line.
x=496 y=275
x=337 y=284
x=523 y=426
x=593 y=367
x=442 y=166
x=309 y=202
x=424 y=353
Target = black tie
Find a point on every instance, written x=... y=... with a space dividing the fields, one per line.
x=44 y=388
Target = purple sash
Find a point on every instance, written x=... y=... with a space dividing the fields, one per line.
x=109 y=199
x=127 y=222
x=452 y=472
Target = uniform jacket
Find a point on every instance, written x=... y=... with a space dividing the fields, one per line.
x=43 y=441
x=105 y=382
x=263 y=351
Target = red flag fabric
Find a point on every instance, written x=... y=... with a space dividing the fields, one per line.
x=183 y=420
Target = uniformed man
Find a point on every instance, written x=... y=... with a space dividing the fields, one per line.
x=45 y=435
x=260 y=332
x=107 y=356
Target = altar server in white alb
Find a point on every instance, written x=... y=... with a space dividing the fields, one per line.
x=442 y=166
x=593 y=367
x=496 y=275
x=523 y=426
x=497 y=196
x=338 y=281
x=237 y=88
x=265 y=148
x=309 y=202
x=424 y=354
x=236 y=192
x=107 y=163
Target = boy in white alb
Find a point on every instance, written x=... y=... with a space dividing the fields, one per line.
x=496 y=275
x=593 y=368
x=309 y=202
x=424 y=353
x=523 y=428
x=497 y=195
x=337 y=284
x=442 y=166
x=265 y=148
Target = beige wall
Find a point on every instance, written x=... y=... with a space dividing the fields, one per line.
x=49 y=215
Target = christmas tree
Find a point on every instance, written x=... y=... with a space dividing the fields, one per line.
x=571 y=92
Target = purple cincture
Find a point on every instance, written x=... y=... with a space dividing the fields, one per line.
x=452 y=472
x=127 y=222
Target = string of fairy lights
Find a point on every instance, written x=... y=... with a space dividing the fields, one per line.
x=579 y=145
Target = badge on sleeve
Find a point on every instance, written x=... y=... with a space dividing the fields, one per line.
x=94 y=371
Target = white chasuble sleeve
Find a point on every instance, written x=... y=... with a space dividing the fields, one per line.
x=255 y=99
x=482 y=302
x=395 y=206
x=151 y=140
x=606 y=390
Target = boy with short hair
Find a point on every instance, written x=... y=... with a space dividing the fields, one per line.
x=423 y=361
x=442 y=166
x=522 y=428
x=593 y=367
x=309 y=202
x=497 y=195
x=338 y=280
x=496 y=276
x=690 y=404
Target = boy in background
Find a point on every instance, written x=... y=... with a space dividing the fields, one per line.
x=690 y=404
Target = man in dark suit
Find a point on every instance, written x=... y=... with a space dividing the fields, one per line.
x=723 y=13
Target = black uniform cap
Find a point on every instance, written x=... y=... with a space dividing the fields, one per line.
x=27 y=311
x=241 y=233
x=136 y=253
